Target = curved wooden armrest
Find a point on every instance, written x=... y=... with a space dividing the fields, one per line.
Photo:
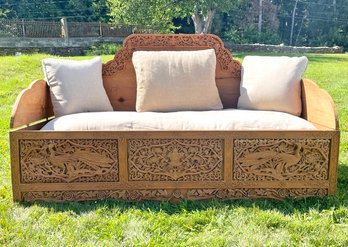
x=32 y=104
x=318 y=106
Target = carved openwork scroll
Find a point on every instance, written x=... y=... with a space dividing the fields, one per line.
x=164 y=194
x=275 y=193
x=51 y=161
x=281 y=159
x=144 y=41
x=131 y=195
x=175 y=159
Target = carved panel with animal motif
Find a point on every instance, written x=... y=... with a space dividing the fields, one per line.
x=51 y=161
x=175 y=160
x=281 y=159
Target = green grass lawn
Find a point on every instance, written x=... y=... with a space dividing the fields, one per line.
x=306 y=222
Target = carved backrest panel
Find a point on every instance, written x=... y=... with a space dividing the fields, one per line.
x=119 y=74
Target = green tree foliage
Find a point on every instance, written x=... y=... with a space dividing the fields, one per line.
x=84 y=10
x=160 y=13
x=341 y=24
x=203 y=12
x=157 y=14
x=79 y=10
x=240 y=24
x=296 y=22
x=2 y=13
x=317 y=22
x=29 y=9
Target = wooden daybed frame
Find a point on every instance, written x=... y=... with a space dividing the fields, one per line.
x=52 y=165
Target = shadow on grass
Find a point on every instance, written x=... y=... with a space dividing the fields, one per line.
x=288 y=206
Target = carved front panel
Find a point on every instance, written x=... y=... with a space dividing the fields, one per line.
x=281 y=159
x=51 y=161
x=175 y=160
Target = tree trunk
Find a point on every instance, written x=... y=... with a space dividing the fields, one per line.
x=198 y=22
x=299 y=31
x=208 y=21
x=293 y=22
x=260 y=16
x=203 y=23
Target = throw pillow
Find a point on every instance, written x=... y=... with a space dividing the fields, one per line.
x=272 y=83
x=176 y=80
x=76 y=86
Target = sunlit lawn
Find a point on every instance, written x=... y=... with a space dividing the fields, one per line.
x=314 y=221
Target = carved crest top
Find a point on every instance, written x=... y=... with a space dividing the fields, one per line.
x=175 y=40
x=119 y=75
x=171 y=42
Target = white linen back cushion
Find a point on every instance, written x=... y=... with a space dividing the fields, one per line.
x=272 y=83
x=176 y=80
x=76 y=86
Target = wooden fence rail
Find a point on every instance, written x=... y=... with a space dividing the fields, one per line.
x=64 y=29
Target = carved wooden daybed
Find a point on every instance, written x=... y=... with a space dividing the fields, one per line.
x=59 y=172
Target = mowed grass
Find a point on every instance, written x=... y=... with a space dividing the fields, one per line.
x=306 y=222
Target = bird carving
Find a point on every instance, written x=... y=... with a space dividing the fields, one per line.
x=254 y=162
x=67 y=163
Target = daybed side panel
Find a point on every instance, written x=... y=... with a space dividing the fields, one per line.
x=157 y=165
x=333 y=173
x=15 y=166
x=32 y=104
x=318 y=106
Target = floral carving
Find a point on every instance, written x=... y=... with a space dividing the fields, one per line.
x=90 y=161
x=85 y=195
x=278 y=159
x=181 y=40
x=170 y=194
x=51 y=161
x=145 y=41
x=117 y=64
x=275 y=193
x=175 y=160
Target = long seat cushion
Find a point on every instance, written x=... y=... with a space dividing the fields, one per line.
x=227 y=119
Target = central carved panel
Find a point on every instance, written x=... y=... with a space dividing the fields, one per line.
x=281 y=159
x=56 y=160
x=175 y=160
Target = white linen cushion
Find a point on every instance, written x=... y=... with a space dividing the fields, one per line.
x=76 y=86
x=272 y=83
x=228 y=119
x=176 y=80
